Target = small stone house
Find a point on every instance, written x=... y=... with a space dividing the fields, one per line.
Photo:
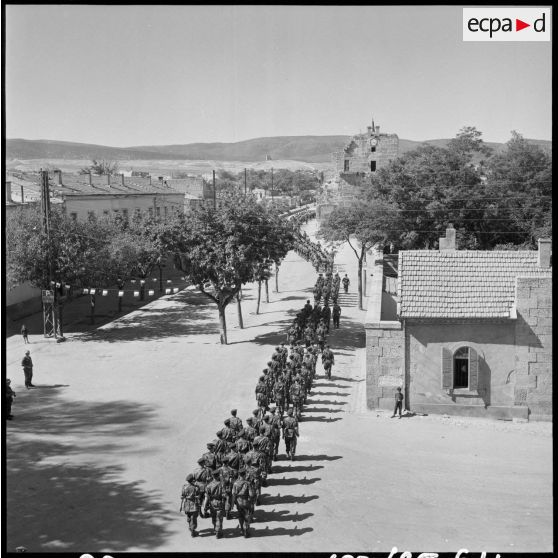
x=472 y=334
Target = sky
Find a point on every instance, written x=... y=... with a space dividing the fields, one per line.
x=156 y=75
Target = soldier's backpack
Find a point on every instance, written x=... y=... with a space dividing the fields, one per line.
x=244 y=490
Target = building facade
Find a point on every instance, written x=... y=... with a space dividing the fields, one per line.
x=472 y=334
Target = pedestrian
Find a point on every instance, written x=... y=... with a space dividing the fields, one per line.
x=346 y=282
x=398 y=402
x=191 y=500
x=243 y=495
x=27 y=364
x=10 y=395
x=24 y=333
x=336 y=315
x=214 y=503
x=290 y=434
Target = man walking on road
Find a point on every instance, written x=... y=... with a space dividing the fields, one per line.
x=191 y=496
x=346 y=282
x=27 y=364
x=336 y=315
x=398 y=402
x=10 y=394
x=24 y=333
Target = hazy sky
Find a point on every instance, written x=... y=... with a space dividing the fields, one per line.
x=140 y=75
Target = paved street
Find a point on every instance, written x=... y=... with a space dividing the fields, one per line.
x=98 y=451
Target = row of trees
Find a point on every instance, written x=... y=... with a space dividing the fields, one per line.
x=494 y=200
x=219 y=250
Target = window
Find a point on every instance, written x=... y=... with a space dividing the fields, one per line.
x=372 y=149
x=73 y=216
x=158 y=211
x=166 y=211
x=372 y=166
x=346 y=168
x=460 y=369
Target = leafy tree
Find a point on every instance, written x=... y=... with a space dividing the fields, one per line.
x=362 y=226
x=101 y=167
x=219 y=249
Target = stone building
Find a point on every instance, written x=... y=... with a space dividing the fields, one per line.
x=472 y=333
x=363 y=155
x=366 y=153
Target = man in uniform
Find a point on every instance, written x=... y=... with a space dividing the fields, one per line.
x=227 y=432
x=275 y=422
x=235 y=422
x=209 y=457
x=249 y=430
x=327 y=361
x=263 y=444
x=227 y=475
x=398 y=402
x=215 y=497
x=243 y=495
x=296 y=397
x=27 y=364
x=191 y=496
x=10 y=395
x=290 y=434
x=326 y=315
x=346 y=282
x=336 y=315
x=202 y=475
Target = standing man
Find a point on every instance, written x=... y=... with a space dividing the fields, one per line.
x=336 y=315
x=346 y=282
x=10 y=395
x=398 y=402
x=191 y=496
x=24 y=333
x=27 y=364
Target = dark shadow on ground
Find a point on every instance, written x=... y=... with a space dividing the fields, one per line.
x=343 y=379
x=271 y=481
x=325 y=401
x=280 y=531
x=331 y=393
x=264 y=516
x=190 y=313
x=57 y=506
x=320 y=419
x=51 y=387
x=351 y=335
x=268 y=499
x=321 y=384
x=309 y=409
x=320 y=457
x=278 y=469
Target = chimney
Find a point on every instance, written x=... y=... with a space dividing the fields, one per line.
x=448 y=243
x=90 y=179
x=9 y=192
x=544 y=252
x=122 y=175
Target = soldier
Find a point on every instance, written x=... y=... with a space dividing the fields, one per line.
x=284 y=354
x=263 y=444
x=346 y=282
x=398 y=402
x=227 y=432
x=233 y=457
x=191 y=496
x=202 y=475
x=326 y=315
x=235 y=422
x=215 y=503
x=266 y=426
x=252 y=472
x=290 y=434
x=296 y=397
x=10 y=396
x=327 y=361
x=257 y=421
x=261 y=395
x=279 y=394
x=275 y=422
x=220 y=447
x=209 y=457
x=249 y=430
x=243 y=495
x=27 y=364
x=320 y=336
x=336 y=315
x=227 y=476
x=307 y=309
x=242 y=445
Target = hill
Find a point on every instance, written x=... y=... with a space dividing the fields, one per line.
x=310 y=149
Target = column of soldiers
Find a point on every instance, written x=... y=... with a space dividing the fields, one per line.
x=321 y=259
x=235 y=467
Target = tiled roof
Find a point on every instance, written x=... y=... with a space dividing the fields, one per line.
x=462 y=283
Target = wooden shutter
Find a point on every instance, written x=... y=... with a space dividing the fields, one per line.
x=473 y=369
x=447 y=368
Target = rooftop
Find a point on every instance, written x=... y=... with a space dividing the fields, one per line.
x=462 y=283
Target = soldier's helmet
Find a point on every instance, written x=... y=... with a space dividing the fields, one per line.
x=256 y=412
x=269 y=363
x=289 y=412
x=233 y=412
x=219 y=434
x=227 y=422
x=249 y=420
x=262 y=378
x=210 y=445
x=189 y=477
x=201 y=461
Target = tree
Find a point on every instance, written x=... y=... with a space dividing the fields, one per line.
x=101 y=167
x=219 y=249
x=362 y=226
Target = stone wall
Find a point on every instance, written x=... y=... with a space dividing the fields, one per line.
x=533 y=338
x=360 y=152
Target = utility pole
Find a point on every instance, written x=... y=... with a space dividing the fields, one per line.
x=244 y=181
x=214 y=193
x=272 y=185
x=48 y=296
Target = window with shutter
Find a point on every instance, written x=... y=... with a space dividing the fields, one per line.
x=447 y=369
x=473 y=369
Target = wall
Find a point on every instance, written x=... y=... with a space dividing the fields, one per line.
x=533 y=336
x=358 y=152
x=82 y=204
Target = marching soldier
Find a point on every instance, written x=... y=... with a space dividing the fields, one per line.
x=336 y=315
x=191 y=499
x=227 y=475
x=227 y=432
x=290 y=434
x=275 y=422
x=215 y=498
x=249 y=430
x=235 y=423
x=327 y=361
x=243 y=495
x=209 y=457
